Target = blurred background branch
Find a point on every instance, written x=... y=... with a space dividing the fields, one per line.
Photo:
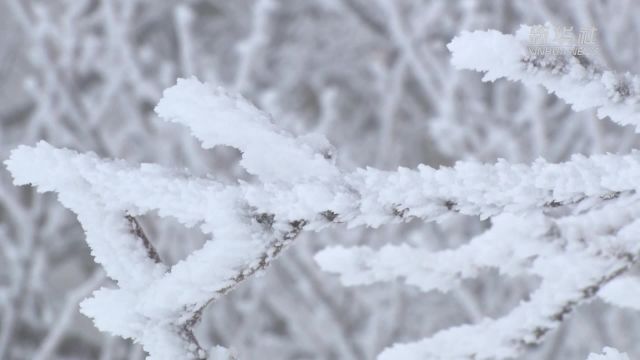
x=373 y=76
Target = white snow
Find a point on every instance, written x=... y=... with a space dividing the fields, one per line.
x=623 y=292
x=573 y=225
x=583 y=85
x=217 y=117
x=609 y=354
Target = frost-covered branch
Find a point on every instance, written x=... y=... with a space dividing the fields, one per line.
x=107 y=194
x=572 y=76
x=573 y=224
x=539 y=243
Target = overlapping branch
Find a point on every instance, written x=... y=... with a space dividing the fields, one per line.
x=546 y=217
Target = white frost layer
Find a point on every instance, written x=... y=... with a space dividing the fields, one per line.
x=486 y=190
x=623 y=292
x=509 y=245
x=217 y=117
x=573 y=256
x=102 y=192
x=151 y=298
x=298 y=186
x=575 y=79
x=609 y=354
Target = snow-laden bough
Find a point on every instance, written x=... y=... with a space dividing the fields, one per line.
x=574 y=225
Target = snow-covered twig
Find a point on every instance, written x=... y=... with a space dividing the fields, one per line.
x=571 y=75
x=529 y=243
x=581 y=212
x=155 y=305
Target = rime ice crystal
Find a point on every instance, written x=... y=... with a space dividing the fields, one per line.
x=574 y=78
x=544 y=216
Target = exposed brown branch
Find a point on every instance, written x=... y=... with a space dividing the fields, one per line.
x=137 y=230
x=584 y=295
x=272 y=250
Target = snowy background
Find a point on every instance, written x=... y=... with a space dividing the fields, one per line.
x=374 y=76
